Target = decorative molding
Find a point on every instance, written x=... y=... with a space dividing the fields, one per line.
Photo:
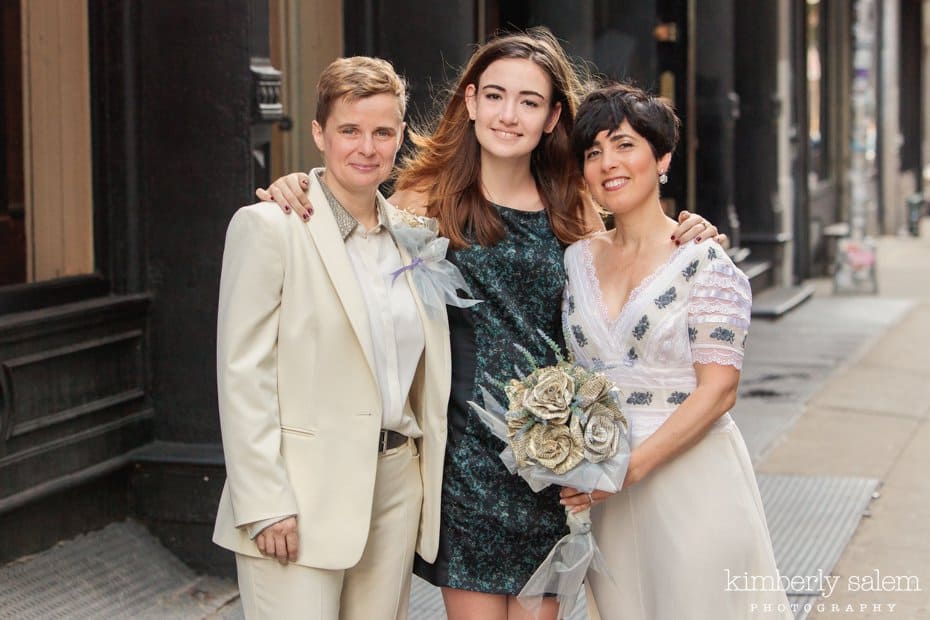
x=99 y=373
x=266 y=82
x=73 y=392
x=66 y=415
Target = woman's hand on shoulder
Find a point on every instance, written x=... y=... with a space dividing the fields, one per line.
x=290 y=192
x=693 y=226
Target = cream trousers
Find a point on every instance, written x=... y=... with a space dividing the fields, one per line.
x=377 y=588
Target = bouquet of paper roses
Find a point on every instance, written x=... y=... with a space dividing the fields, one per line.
x=563 y=425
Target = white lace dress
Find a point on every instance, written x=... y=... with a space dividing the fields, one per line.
x=676 y=540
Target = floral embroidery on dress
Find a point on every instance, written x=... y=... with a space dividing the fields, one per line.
x=641 y=328
x=689 y=271
x=580 y=338
x=711 y=253
x=676 y=398
x=639 y=398
x=571 y=304
x=723 y=334
x=692 y=333
x=666 y=298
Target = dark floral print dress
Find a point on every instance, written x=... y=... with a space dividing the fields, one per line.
x=494 y=530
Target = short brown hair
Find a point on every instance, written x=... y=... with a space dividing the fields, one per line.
x=357 y=77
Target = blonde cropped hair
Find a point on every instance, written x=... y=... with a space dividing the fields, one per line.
x=357 y=77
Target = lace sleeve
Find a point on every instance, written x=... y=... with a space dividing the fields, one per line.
x=718 y=314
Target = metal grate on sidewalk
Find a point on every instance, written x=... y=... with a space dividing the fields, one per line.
x=121 y=571
x=811 y=520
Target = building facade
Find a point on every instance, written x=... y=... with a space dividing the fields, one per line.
x=133 y=130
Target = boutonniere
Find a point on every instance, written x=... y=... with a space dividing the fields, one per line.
x=437 y=280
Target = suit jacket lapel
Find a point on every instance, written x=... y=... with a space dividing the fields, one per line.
x=436 y=338
x=323 y=229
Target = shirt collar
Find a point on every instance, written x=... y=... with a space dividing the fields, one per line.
x=345 y=220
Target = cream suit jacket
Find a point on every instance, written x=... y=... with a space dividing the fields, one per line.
x=299 y=405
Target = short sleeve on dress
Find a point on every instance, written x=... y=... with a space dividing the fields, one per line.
x=718 y=314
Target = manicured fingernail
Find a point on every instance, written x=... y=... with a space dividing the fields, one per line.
x=287 y=208
x=310 y=211
x=677 y=242
x=697 y=239
x=673 y=237
x=306 y=217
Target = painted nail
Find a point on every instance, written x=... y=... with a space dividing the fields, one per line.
x=677 y=242
x=697 y=239
x=306 y=217
x=673 y=237
x=287 y=208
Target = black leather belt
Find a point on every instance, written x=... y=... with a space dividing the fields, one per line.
x=390 y=440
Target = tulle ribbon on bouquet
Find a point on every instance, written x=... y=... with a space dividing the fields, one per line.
x=563 y=571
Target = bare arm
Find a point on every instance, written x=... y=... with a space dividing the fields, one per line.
x=290 y=192
x=714 y=395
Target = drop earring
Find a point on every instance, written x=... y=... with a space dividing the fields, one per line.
x=663 y=178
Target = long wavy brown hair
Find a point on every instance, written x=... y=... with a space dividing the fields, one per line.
x=446 y=164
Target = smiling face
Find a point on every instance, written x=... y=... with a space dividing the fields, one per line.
x=359 y=142
x=512 y=107
x=621 y=170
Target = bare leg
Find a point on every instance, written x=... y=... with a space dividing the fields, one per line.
x=548 y=611
x=467 y=605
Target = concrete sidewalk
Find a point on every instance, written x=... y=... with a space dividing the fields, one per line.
x=870 y=419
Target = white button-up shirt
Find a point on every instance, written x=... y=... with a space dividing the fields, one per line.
x=396 y=331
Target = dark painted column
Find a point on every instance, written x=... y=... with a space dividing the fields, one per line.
x=207 y=96
x=717 y=107
x=195 y=117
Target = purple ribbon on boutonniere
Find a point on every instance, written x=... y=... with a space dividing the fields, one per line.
x=435 y=278
x=413 y=264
